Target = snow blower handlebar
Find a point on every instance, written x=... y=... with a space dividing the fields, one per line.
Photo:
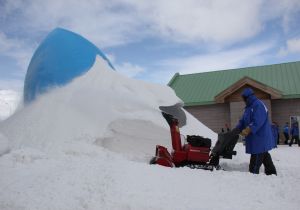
x=224 y=146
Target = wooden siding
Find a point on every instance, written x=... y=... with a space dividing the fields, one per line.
x=282 y=110
x=236 y=96
x=217 y=115
x=213 y=116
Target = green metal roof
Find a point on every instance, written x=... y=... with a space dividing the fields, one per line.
x=201 y=88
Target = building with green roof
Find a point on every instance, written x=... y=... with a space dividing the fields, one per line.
x=214 y=97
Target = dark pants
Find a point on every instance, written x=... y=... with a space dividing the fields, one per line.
x=257 y=160
x=286 y=135
x=296 y=140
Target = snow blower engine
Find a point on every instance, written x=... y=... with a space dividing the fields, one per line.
x=196 y=152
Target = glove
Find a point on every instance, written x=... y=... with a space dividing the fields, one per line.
x=246 y=132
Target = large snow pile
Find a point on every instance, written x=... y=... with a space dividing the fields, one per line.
x=87 y=146
x=101 y=107
x=9 y=101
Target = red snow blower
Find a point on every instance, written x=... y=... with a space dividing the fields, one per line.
x=196 y=152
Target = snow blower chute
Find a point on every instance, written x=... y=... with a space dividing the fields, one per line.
x=196 y=152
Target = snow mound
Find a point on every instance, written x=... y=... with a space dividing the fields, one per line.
x=9 y=101
x=4 y=145
x=101 y=107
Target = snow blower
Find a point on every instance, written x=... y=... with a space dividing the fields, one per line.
x=196 y=152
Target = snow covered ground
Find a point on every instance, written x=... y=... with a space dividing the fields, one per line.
x=84 y=176
x=87 y=146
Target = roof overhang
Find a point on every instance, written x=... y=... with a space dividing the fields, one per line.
x=275 y=94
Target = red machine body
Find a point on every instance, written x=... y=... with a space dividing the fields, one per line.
x=181 y=154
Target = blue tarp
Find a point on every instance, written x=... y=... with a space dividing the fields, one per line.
x=61 y=57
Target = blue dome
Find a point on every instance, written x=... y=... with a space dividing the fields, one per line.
x=62 y=56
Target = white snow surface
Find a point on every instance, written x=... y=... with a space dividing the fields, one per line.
x=9 y=101
x=87 y=146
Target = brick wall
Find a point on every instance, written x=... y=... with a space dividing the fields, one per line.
x=217 y=115
x=236 y=112
x=283 y=109
x=213 y=116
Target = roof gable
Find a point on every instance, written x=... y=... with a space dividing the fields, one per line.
x=247 y=81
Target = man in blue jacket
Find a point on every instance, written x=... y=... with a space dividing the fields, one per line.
x=295 y=134
x=256 y=128
x=286 y=132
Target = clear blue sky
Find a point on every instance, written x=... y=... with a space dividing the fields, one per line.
x=152 y=40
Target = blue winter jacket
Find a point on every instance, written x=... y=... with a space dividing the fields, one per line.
x=256 y=117
x=286 y=129
x=295 y=131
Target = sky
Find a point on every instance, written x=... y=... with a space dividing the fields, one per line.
x=152 y=40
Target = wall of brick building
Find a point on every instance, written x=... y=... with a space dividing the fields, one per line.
x=213 y=116
x=283 y=109
x=217 y=115
x=236 y=112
